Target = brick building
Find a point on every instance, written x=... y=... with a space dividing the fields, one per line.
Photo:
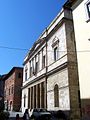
x=50 y=75
x=12 y=89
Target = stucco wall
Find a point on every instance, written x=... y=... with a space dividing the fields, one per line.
x=82 y=34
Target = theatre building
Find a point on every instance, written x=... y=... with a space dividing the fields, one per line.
x=50 y=76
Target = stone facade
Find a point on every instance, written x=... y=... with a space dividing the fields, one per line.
x=50 y=68
x=60 y=78
x=12 y=89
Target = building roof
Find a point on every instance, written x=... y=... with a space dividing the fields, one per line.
x=11 y=72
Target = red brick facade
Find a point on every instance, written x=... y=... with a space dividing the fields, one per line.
x=12 y=90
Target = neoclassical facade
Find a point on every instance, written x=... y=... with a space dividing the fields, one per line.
x=50 y=76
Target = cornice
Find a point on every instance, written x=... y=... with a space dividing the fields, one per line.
x=64 y=65
x=70 y=3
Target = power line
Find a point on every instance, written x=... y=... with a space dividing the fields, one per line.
x=5 y=47
x=25 y=49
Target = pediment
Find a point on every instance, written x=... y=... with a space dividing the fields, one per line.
x=55 y=41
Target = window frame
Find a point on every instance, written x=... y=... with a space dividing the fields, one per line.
x=88 y=5
x=36 y=67
x=26 y=75
x=19 y=75
x=30 y=71
x=55 y=53
x=55 y=47
x=12 y=89
x=43 y=61
x=9 y=91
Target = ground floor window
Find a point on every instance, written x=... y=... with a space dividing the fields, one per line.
x=56 y=96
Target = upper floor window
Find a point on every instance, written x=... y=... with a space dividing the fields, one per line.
x=43 y=61
x=36 y=67
x=36 y=64
x=55 y=53
x=33 y=66
x=38 y=61
x=87 y=7
x=25 y=75
x=30 y=68
x=19 y=75
x=55 y=44
x=9 y=91
x=30 y=71
x=26 y=72
x=12 y=89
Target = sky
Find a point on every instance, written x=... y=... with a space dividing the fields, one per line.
x=21 y=24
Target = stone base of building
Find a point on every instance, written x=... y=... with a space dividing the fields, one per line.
x=75 y=114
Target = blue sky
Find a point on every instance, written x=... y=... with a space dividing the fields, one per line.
x=21 y=23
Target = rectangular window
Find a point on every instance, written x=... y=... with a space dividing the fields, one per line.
x=38 y=61
x=33 y=67
x=25 y=75
x=25 y=72
x=30 y=68
x=43 y=61
x=36 y=64
x=9 y=91
x=55 y=54
x=88 y=9
x=36 y=67
x=19 y=75
x=30 y=71
x=12 y=89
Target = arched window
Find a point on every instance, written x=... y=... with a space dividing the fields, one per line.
x=56 y=96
